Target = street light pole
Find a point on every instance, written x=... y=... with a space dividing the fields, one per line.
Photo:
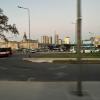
x=28 y=10
x=29 y=27
x=79 y=82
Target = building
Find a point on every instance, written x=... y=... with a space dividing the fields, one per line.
x=50 y=40
x=46 y=40
x=2 y=43
x=28 y=43
x=33 y=44
x=60 y=42
x=56 y=39
x=66 y=40
x=8 y=44
x=12 y=44
x=25 y=43
x=87 y=42
x=96 y=41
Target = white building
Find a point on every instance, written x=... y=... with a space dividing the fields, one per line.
x=96 y=41
x=67 y=40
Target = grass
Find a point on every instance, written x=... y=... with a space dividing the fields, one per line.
x=76 y=62
x=67 y=55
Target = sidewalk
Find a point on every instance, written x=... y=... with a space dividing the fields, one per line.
x=51 y=60
x=47 y=91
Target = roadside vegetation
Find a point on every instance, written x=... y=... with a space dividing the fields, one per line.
x=67 y=55
x=5 y=27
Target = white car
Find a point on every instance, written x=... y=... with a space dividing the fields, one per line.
x=73 y=51
x=97 y=50
x=33 y=51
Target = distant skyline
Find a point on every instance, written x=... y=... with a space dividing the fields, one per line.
x=48 y=16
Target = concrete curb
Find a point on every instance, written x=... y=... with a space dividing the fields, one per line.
x=39 y=60
x=51 y=60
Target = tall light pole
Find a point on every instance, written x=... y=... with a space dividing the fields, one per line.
x=79 y=22
x=28 y=10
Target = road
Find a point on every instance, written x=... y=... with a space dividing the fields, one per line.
x=15 y=69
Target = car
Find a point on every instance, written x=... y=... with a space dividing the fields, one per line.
x=97 y=50
x=4 y=52
x=72 y=51
x=33 y=51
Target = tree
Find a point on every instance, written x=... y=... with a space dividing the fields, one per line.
x=4 y=26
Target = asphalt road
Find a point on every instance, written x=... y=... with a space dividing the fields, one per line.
x=15 y=69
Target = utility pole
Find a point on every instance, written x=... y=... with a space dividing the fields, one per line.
x=79 y=22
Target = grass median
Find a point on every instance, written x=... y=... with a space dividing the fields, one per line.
x=66 y=55
x=76 y=62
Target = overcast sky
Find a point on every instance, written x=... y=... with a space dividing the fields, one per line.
x=48 y=16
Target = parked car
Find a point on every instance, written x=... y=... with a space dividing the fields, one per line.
x=4 y=52
x=33 y=51
x=97 y=50
x=72 y=51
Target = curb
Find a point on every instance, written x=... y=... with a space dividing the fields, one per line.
x=38 y=60
x=63 y=60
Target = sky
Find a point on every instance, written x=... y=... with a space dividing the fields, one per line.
x=48 y=16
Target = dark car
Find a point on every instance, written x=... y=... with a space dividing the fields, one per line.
x=4 y=52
